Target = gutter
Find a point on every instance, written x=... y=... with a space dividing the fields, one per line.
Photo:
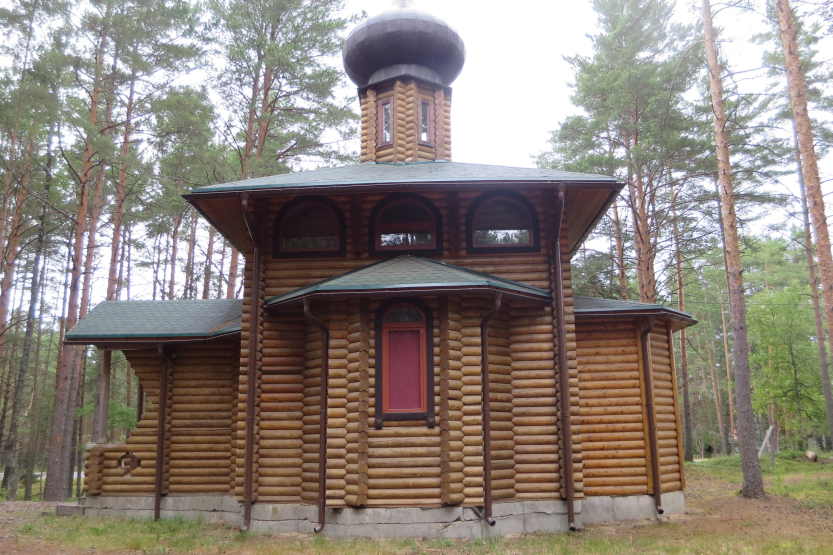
x=649 y=407
x=162 y=413
x=563 y=371
x=322 y=415
x=251 y=375
x=487 y=411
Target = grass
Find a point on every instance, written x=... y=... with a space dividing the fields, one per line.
x=797 y=517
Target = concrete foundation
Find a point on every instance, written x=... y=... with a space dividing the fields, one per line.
x=513 y=517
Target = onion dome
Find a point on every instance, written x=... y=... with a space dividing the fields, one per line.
x=403 y=40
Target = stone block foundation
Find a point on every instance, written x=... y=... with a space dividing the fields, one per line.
x=512 y=517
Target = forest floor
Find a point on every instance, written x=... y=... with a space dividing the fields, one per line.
x=796 y=517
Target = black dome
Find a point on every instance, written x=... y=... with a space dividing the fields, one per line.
x=403 y=40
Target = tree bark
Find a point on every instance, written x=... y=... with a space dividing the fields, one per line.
x=190 y=289
x=688 y=437
x=206 y=288
x=121 y=192
x=814 y=292
x=728 y=370
x=753 y=485
x=35 y=288
x=234 y=267
x=620 y=253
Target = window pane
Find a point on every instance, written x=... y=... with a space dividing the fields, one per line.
x=415 y=239
x=311 y=226
x=386 y=121
x=404 y=391
x=423 y=135
x=404 y=314
x=502 y=222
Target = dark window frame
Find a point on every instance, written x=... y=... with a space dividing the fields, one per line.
x=472 y=248
x=380 y=120
x=288 y=208
x=421 y=104
x=377 y=251
x=429 y=414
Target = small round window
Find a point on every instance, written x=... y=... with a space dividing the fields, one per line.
x=310 y=227
x=405 y=225
x=502 y=221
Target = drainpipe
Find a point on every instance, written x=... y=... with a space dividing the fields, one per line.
x=563 y=371
x=649 y=407
x=487 y=411
x=322 y=415
x=251 y=374
x=162 y=412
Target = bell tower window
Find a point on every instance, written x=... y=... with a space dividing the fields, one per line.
x=385 y=122
x=426 y=123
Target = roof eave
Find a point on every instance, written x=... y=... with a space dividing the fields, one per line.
x=680 y=320
x=129 y=342
x=405 y=292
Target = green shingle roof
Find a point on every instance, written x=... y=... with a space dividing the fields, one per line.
x=159 y=320
x=590 y=305
x=419 y=172
x=409 y=275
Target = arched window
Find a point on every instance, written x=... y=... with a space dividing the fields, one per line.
x=405 y=385
x=502 y=222
x=406 y=223
x=309 y=227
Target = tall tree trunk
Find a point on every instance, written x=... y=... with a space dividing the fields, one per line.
x=220 y=275
x=190 y=287
x=718 y=401
x=620 y=253
x=688 y=446
x=728 y=370
x=753 y=485
x=11 y=442
x=234 y=267
x=174 y=243
x=814 y=292
x=206 y=288
x=121 y=192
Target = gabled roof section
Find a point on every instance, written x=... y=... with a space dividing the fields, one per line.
x=409 y=275
x=401 y=173
x=609 y=308
x=158 y=321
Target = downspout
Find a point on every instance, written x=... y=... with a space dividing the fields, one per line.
x=251 y=373
x=162 y=412
x=322 y=415
x=563 y=371
x=649 y=407
x=487 y=411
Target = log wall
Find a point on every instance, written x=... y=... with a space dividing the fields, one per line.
x=613 y=415
x=198 y=442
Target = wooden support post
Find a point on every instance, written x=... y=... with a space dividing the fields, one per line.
x=649 y=406
x=104 y=396
x=162 y=411
x=140 y=402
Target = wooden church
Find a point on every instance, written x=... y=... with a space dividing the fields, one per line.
x=408 y=358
